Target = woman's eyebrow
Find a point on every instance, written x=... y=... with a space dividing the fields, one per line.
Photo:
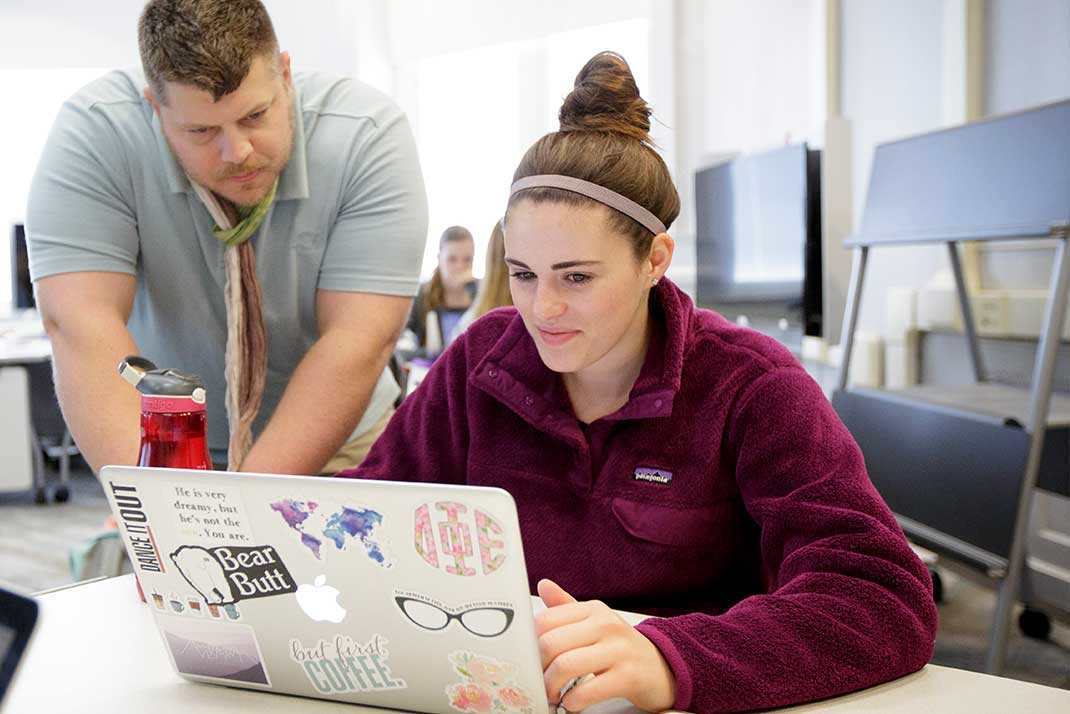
x=556 y=266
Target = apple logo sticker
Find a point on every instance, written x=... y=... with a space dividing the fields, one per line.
x=320 y=601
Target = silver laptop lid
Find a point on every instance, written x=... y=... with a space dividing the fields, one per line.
x=412 y=596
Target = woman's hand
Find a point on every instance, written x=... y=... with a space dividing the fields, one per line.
x=581 y=638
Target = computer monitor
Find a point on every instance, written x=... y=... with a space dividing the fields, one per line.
x=758 y=236
x=21 y=285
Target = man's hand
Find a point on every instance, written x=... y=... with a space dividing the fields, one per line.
x=330 y=389
x=581 y=638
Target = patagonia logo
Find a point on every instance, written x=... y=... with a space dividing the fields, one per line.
x=653 y=475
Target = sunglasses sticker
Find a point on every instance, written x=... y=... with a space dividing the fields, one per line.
x=481 y=618
x=449 y=526
x=343 y=666
x=486 y=685
x=320 y=525
x=226 y=575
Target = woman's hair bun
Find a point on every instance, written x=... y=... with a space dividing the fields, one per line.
x=606 y=98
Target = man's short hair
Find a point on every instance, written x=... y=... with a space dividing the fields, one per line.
x=207 y=44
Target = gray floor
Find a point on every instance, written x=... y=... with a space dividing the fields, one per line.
x=35 y=542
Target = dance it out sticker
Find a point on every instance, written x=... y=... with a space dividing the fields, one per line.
x=343 y=665
x=229 y=574
x=483 y=618
x=449 y=526
x=486 y=686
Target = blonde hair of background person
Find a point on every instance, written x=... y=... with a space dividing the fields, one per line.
x=494 y=287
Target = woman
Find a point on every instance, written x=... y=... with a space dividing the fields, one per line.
x=662 y=459
x=494 y=287
x=442 y=300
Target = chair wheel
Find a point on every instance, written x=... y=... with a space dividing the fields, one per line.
x=938 y=586
x=1034 y=624
x=61 y=495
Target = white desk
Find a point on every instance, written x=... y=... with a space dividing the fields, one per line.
x=97 y=650
x=22 y=343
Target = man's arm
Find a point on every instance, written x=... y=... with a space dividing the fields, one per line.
x=331 y=387
x=85 y=315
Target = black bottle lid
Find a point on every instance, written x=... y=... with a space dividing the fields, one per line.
x=155 y=382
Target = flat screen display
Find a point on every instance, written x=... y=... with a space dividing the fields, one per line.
x=752 y=215
x=21 y=285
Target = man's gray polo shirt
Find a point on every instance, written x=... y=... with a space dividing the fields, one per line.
x=350 y=214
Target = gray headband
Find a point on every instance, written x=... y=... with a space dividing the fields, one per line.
x=592 y=190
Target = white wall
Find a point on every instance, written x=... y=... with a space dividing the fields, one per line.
x=892 y=86
x=426 y=28
x=1028 y=62
x=1028 y=57
x=750 y=76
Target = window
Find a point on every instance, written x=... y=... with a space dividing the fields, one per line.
x=478 y=110
x=24 y=129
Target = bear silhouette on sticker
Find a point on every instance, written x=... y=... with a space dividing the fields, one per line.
x=225 y=575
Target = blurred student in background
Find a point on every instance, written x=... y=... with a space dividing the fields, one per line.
x=443 y=299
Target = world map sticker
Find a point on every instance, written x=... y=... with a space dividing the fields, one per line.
x=321 y=525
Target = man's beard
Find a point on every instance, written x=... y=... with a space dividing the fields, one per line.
x=212 y=184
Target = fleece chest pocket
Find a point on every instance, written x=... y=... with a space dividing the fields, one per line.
x=677 y=526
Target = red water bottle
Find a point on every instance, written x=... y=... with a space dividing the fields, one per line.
x=174 y=423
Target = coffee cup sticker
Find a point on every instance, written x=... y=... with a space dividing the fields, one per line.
x=176 y=603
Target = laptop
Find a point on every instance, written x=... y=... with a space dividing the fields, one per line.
x=18 y=615
x=410 y=596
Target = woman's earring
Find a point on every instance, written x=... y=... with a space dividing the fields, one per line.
x=654 y=281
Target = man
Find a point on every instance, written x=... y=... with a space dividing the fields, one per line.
x=170 y=210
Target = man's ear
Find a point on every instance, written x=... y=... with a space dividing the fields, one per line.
x=284 y=68
x=151 y=99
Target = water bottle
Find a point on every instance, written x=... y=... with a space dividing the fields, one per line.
x=174 y=423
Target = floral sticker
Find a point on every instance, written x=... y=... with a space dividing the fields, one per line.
x=446 y=527
x=487 y=686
